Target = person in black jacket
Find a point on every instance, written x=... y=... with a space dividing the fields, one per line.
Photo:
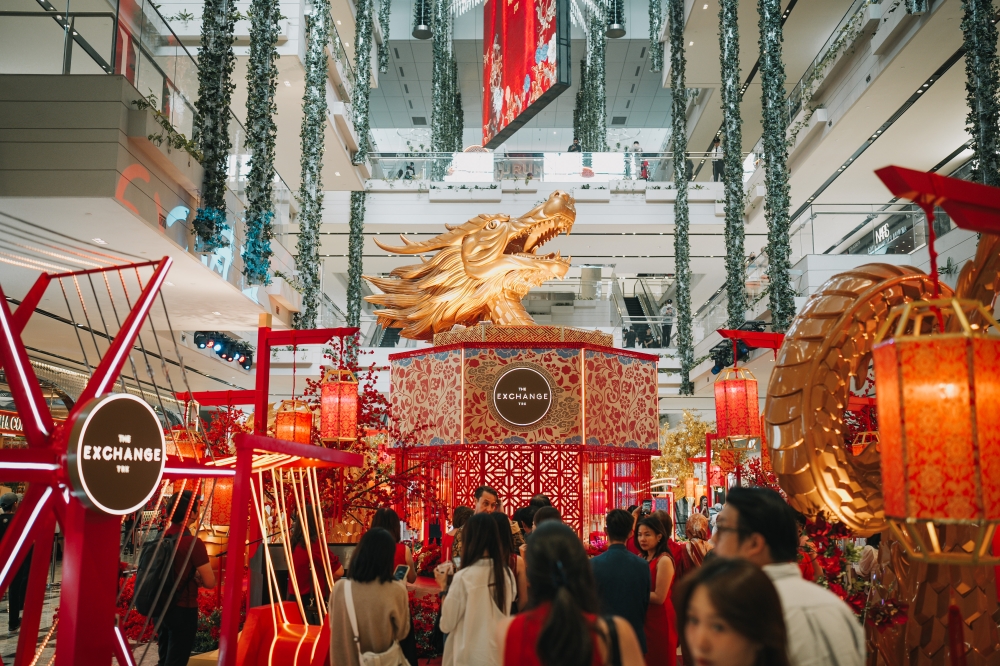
x=622 y=578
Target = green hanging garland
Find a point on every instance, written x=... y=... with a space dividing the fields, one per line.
x=313 y=136
x=981 y=88
x=211 y=129
x=776 y=200
x=655 y=45
x=458 y=114
x=383 y=48
x=580 y=110
x=682 y=243
x=442 y=99
x=262 y=81
x=593 y=121
x=732 y=171
x=355 y=249
x=363 y=66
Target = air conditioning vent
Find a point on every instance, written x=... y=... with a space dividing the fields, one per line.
x=619 y=120
x=419 y=120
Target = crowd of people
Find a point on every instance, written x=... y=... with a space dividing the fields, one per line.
x=522 y=590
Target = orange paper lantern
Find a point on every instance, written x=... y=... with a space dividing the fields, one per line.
x=338 y=406
x=737 y=410
x=939 y=426
x=222 y=501
x=293 y=421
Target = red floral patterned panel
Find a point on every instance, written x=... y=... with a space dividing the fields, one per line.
x=621 y=401
x=426 y=396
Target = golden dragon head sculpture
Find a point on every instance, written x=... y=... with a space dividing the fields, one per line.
x=480 y=271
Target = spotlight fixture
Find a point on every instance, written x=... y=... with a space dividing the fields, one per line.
x=201 y=339
x=246 y=361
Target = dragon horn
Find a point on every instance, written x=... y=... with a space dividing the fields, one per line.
x=453 y=236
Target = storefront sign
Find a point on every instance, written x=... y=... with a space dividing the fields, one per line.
x=522 y=396
x=116 y=454
x=10 y=423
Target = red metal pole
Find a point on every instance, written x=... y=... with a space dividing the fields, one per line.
x=87 y=607
x=34 y=599
x=263 y=375
x=233 y=581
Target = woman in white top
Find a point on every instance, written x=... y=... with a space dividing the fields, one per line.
x=475 y=603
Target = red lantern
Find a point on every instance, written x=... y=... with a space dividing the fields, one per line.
x=185 y=444
x=222 y=501
x=938 y=386
x=293 y=421
x=737 y=410
x=338 y=406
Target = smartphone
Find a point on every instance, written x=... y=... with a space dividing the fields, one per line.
x=457 y=561
x=400 y=572
x=647 y=506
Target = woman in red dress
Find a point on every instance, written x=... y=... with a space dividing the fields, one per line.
x=561 y=625
x=653 y=539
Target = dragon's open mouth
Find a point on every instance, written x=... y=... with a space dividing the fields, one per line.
x=529 y=240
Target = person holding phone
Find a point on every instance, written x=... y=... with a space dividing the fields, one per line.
x=477 y=598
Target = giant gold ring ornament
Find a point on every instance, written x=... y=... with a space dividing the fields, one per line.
x=830 y=342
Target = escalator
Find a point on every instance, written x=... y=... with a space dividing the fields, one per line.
x=636 y=314
x=390 y=337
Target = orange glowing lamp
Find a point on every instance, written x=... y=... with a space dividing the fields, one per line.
x=222 y=501
x=937 y=379
x=737 y=410
x=338 y=406
x=293 y=421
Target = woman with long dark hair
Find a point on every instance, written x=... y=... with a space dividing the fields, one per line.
x=478 y=598
x=652 y=538
x=514 y=560
x=370 y=612
x=561 y=626
x=309 y=565
x=729 y=614
x=389 y=520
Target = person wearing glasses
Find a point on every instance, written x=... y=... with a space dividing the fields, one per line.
x=757 y=525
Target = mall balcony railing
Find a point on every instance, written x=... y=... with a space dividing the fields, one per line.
x=528 y=167
x=134 y=40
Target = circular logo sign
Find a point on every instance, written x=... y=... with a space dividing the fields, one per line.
x=116 y=454
x=522 y=396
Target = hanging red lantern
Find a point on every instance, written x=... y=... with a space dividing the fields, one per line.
x=937 y=380
x=338 y=406
x=293 y=421
x=737 y=410
x=184 y=443
x=222 y=501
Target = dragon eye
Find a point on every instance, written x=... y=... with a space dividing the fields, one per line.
x=492 y=224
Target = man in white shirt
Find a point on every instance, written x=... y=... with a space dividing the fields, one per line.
x=757 y=525
x=716 y=154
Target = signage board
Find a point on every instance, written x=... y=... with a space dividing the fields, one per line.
x=526 y=62
x=116 y=454
x=522 y=396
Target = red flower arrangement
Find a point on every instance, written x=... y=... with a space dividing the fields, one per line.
x=597 y=544
x=426 y=558
x=425 y=610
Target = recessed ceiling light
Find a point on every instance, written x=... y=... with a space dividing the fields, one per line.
x=338 y=22
x=705 y=7
x=169 y=283
x=690 y=43
x=99 y=241
x=217 y=314
x=288 y=84
x=336 y=173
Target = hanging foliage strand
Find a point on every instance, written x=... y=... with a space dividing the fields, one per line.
x=776 y=202
x=682 y=244
x=211 y=127
x=361 y=95
x=313 y=136
x=981 y=89
x=732 y=163
x=458 y=114
x=355 y=247
x=262 y=81
x=580 y=111
x=593 y=121
x=384 y=8
x=442 y=103
x=655 y=45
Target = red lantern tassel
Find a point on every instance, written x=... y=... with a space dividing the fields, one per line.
x=956 y=636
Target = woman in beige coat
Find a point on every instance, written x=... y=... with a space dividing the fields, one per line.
x=381 y=603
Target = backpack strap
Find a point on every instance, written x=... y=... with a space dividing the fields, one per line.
x=351 y=614
x=614 y=649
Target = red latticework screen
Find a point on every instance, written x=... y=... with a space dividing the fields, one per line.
x=584 y=483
